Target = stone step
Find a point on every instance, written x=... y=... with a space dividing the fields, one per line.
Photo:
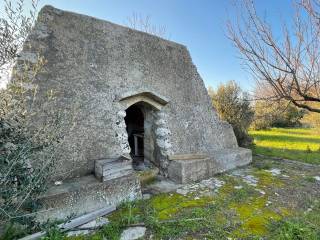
x=78 y=196
x=118 y=174
x=111 y=168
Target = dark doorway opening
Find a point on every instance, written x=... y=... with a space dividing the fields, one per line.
x=135 y=128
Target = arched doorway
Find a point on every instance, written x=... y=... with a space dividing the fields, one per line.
x=135 y=128
x=148 y=146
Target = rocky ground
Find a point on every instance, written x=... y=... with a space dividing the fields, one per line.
x=269 y=199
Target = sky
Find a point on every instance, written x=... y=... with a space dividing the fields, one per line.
x=198 y=24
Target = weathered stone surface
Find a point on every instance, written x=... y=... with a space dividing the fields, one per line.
x=195 y=167
x=97 y=70
x=86 y=194
x=99 y=222
x=100 y=68
x=184 y=171
x=133 y=233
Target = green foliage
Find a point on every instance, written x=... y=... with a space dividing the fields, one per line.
x=12 y=231
x=233 y=106
x=276 y=114
x=26 y=154
x=53 y=233
x=312 y=119
x=295 y=229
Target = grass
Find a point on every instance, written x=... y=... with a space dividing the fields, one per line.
x=301 y=144
x=230 y=212
x=280 y=206
x=283 y=205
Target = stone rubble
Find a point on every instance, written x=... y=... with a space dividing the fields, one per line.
x=202 y=187
x=274 y=171
x=250 y=180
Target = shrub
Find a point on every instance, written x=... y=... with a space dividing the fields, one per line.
x=312 y=119
x=276 y=114
x=232 y=105
x=30 y=129
x=26 y=154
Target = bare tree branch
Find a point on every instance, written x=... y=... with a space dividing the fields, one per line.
x=289 y=66
x=144 y=24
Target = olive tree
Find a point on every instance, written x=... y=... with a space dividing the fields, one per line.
x=27 y=147
x=232 y=105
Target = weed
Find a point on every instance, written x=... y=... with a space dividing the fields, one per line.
x=308 y=150
x=54 y=233
x=310 y=179
x=291 y=229
x=112 y=231
x=12 y=231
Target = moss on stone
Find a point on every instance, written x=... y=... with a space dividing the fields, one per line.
x=266 y=179
x=255 y=217
x=168 y=205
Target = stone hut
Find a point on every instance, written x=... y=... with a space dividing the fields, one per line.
x=140 y=102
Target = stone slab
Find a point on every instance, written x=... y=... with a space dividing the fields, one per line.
x=86 y=194
x=197 y=169
x=187 y=156
x=182 y=171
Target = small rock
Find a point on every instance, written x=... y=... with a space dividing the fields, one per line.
x=238 y=187
x=146 y=196
x=268 y=203
x=261 y=191
x=250 y=180
x=317 y=178
x=78 y=233
x=277 y=194
x=133 y=233
x=196 y=198
x=58 y=183
x=99 y=222
x=274 y=171
x=212 y=183
x=182 y=191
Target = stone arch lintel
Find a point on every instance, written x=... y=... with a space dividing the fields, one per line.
x=152 y=98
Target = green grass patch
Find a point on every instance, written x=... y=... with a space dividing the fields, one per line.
x=305 y=225
x=301 y=144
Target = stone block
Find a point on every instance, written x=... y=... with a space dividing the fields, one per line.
x=195 y=167
x=82 y=195
x=187 y=168
x=107 y=169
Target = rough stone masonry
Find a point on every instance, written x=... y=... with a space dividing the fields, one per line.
x=136 y=95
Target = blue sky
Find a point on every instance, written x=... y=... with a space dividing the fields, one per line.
x=200 y=25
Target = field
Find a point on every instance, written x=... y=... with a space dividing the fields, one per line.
x=296 y=144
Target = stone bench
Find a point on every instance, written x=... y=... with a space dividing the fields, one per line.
x=185 y=168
